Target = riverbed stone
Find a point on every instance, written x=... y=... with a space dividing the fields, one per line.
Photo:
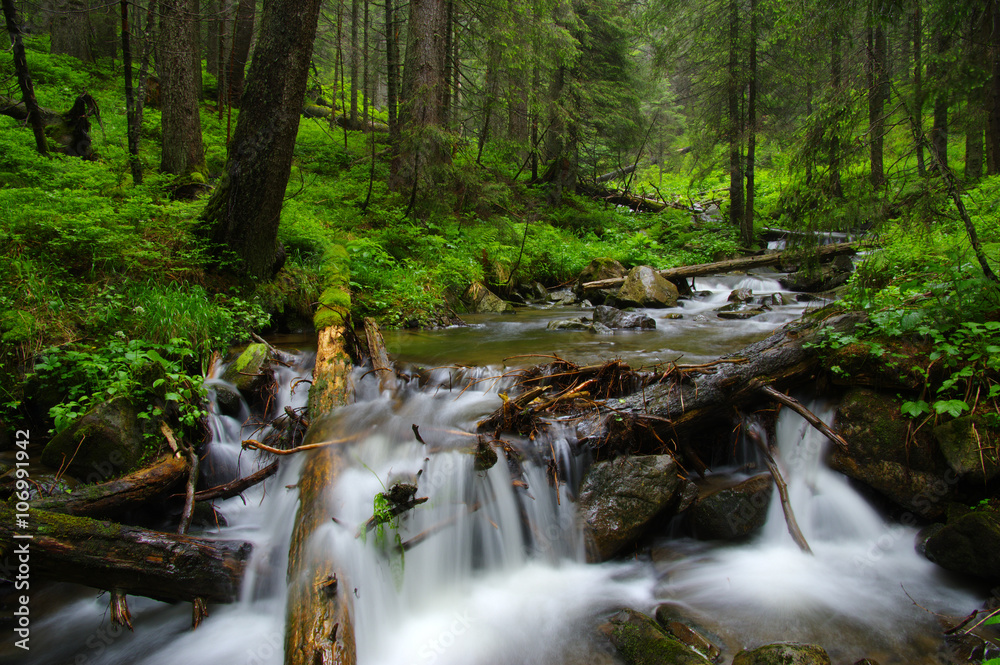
x=104 y=443
x=620 y=498
x=970 y=447
x=815 y=279
x=640 y=641
x=644 y=287
x=884 y=454
x=484 y=301
x=732 y=512
x=576 y=323
x=969 y=545
x=616 y=318
x=783 y=654
x=739 y=311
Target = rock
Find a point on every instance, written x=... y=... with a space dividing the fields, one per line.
x=783 y=654
x=822 y=278
x=619 y=498
x=484 y=301
x=104 y=443
x=733 y=512
x=740 y=295
x=228 y=399
x=562 y=297
x=969 y=544
x=693 y=639
x=640 y=641
x=602 y=268
x=615 y=318
x=673 y=316
x=578 y=323
x=600 y=329
x=538 y=291
x=739 y=310
x=776 y=299
x=250 y=372
x=969 y=447
x=644 y=287
x=914 y=475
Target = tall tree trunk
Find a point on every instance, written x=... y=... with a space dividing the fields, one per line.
x=876 y=63
x=213 y=27
x=836 y=85
x=183 y=151
x=747 y=227
x=365 y=83
x=991 y=37
x=354 y=63
x=424 y=77
x=70 y=29
x=449 y=36
x=974 y=145
x=243 y=213
x=939 y=130
x=392 y=74
x=105 y=36
x=917 y=32
x=734 y=120
x=13 y=23
x=130 y=110
x=242 y=38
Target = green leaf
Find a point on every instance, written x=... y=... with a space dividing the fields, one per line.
x=915 y=409
x=953 y=407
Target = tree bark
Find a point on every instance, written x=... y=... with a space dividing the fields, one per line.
x=746 y=230
x=876 y=63
x=34 y=115
x=130 y=107
x=183 y=151
x=114 y=498
x=318 y=625
x=734 y=121
x=242 y=39
x=991 y=37
x=137 y=561
x=917 y=28
x=939 y=130
x=243 y=213
x=70 y=29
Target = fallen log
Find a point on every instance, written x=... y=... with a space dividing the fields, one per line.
x=781 y=360
x=116 y=497
x=381 y=364
x=318 y=626
x=141 y=562
x=683 y=272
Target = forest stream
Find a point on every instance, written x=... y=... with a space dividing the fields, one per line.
x=493 y=567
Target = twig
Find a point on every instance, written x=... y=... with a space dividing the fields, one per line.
x=253 y=444
x=235 y=487
x=786 y=506
x=811 y=417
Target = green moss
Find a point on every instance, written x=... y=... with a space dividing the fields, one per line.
x=18 y=326
x=335 y=300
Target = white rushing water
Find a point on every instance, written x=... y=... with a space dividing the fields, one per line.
x=499 y=576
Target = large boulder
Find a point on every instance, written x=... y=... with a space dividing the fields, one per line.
x=970 y=448
x=969 y=544
x=483 y=301
x=599 y=269
x=640 y=641
x=732 y=512
x=620 y=498
x=644 y=287
x=783 y=654
x=104 y=443
x=616 y=318
x=884 y=453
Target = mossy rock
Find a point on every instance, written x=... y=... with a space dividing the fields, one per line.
x=640 y=641
x=17 y=326
x=248 y=372
x=104 y=443
x=969 y=545
x=783 y=654
x=644 y=287
x=483 y=301
x=970 y=447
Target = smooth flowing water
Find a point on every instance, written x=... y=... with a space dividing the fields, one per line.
x=493 y=570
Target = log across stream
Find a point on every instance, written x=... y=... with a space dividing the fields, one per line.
x=492 y=567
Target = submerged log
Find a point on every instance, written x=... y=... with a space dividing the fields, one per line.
x=131 y=560
x=683 y=272
x=115 y=497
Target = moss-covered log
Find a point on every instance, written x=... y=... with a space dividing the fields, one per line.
x=131 y=560
x=116 y=497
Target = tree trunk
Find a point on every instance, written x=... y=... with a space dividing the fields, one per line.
x=70 y=29
x=131 y=560
x=183 y=151
x=422 y=148
x=917 y=29
x=242 y=39
x=939 y=130
x=973 y=145
x=392 y=74
x=747 y=226
x=243 y=214
x=318 y=618
x=365 y=83
x=34 y=115
x=876 y=63
x=734 y=121
x=103 y=29
x=354 y=63
x=130 y=108
x=836 y=85
x=991 y=37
